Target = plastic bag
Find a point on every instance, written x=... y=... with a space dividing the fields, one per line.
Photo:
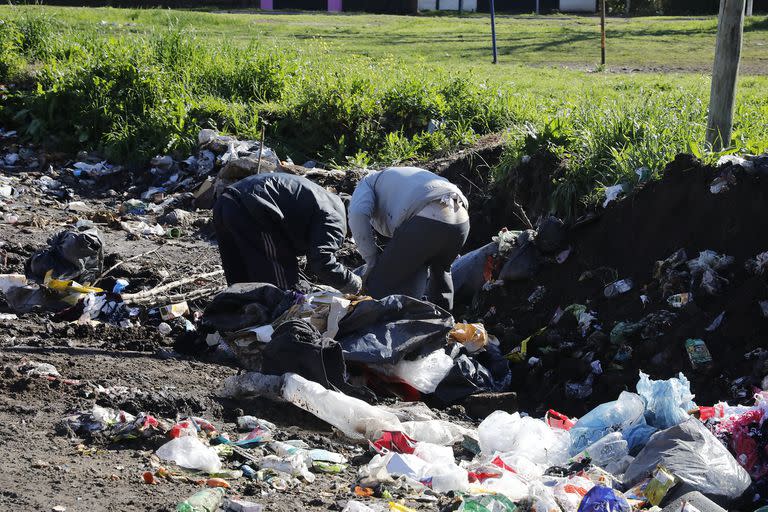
x=424 y=374
x=472 y=336
x=525 y=436
x=667 y=401
x=608 y=449
x=439 y=432
x=604 y=499
x=542 y=498
x=606 y=418
x=695 y=456
x=638 y=435
x=570 y=493
x=189 y=452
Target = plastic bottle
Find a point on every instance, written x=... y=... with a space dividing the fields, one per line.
x=253 y=384
x=207 y=500
x=353 y=417
x=617 y=288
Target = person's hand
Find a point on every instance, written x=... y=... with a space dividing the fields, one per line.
x=354 y=287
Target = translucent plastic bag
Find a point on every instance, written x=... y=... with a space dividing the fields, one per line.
x=525 y=436
x=189 y=452
x=606 y=418
x=695 y=456
x=569 y=493
x=425 y=373
x=667 y=401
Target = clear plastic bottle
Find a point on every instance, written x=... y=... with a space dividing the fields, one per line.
x=207 y=500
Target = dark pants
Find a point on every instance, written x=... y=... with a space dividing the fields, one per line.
x=250 y=253
x=418 y=245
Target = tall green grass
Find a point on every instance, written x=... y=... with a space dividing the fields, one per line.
x=135 y=93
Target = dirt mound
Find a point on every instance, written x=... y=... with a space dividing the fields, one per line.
x=625 y=241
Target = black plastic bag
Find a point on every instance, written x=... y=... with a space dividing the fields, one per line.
x=386 y=330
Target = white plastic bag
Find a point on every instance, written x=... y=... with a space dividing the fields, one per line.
x=189 y=452
x=525 y=436
x=424 y=374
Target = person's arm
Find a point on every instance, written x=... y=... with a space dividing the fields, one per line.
x=327 y=236
x=361 y=210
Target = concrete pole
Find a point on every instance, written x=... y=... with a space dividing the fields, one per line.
x=749 y=7
x=730 y=32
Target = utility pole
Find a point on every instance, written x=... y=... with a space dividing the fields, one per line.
x=602 y=32
x=749 y=7
x=493 y=31
x=730 y=32
x=461 y=6
x=626 y=8
x=538 y=9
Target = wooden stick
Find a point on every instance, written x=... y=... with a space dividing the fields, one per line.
x=730 y=31
x=155 y=292
x=179 y=297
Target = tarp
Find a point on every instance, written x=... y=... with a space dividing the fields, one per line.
x=245 y=305
x=386 y=330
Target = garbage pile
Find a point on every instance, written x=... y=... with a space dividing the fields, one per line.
x=397 y=345
x=53 y=277
x=653 y=448
x=191 y=449
x=668 y=278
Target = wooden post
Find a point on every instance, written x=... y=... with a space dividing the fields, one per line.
x=493 y=31
x=749 y=7
x=602 y=32
x=730 y=31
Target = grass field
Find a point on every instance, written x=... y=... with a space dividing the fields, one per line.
x=362 y=89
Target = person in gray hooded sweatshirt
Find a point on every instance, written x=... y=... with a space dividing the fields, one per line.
x=427 y=220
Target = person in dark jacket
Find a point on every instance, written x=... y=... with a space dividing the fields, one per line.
x=264 y=222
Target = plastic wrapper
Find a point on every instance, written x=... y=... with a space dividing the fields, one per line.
x=525 y=436
x=695 y=456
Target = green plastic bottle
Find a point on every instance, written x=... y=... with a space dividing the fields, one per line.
x=207 y=500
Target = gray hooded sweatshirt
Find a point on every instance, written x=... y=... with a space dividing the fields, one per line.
x=384 y=200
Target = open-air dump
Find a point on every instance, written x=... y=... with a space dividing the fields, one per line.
x=215 y=327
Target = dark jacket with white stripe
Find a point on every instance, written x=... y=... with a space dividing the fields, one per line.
x=306 y=214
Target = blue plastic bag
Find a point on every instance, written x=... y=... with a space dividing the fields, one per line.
x=617 y=416
x=637 y=436
x=667 y=402
x=604 y=499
